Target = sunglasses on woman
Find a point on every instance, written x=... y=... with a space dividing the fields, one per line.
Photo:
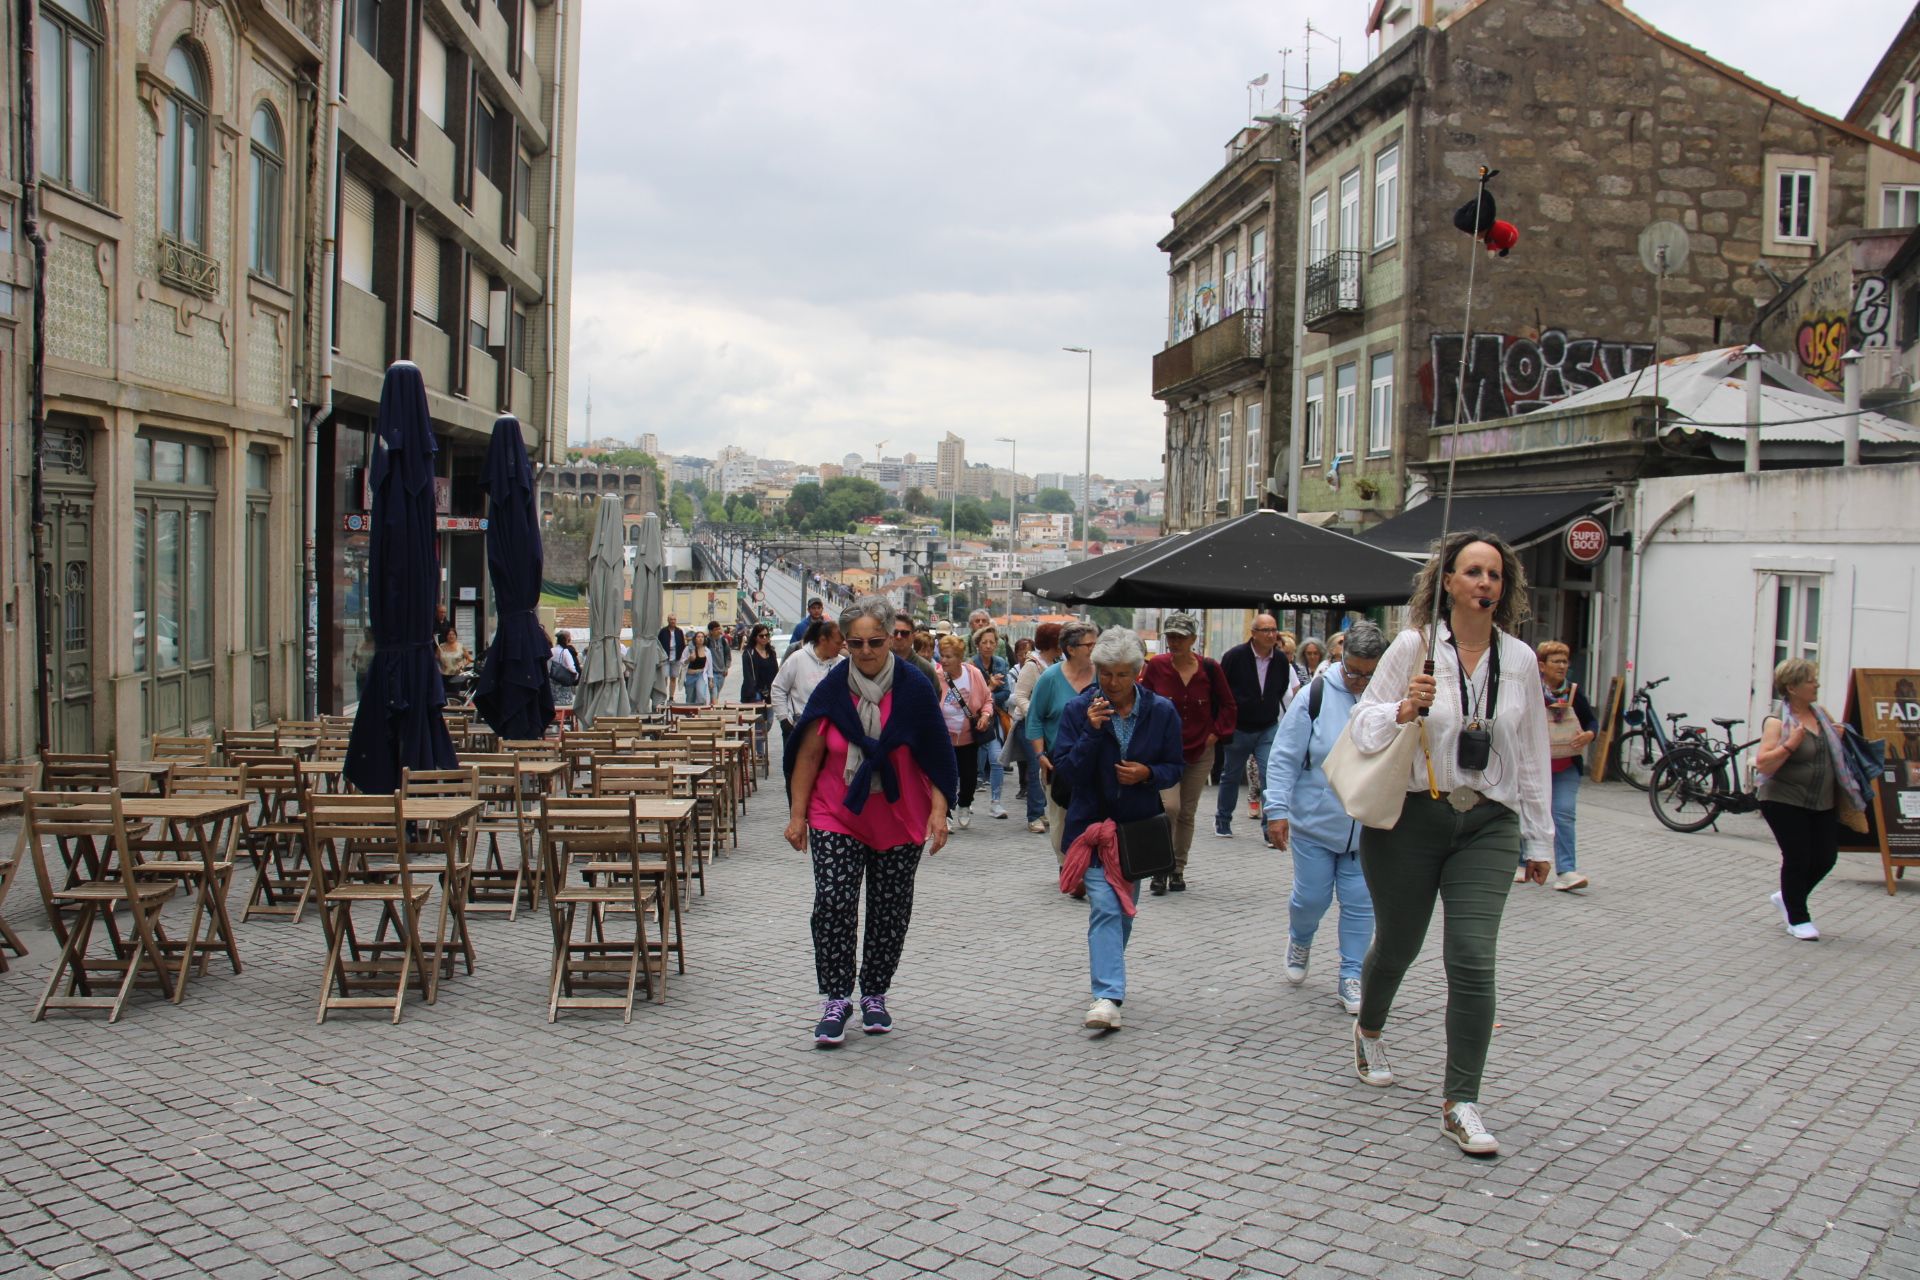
x=871 y=642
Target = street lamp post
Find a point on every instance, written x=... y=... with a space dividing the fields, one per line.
x=1086 y=475
x=1013 y=518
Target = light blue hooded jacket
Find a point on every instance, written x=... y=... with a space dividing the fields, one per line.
x=1301 y=795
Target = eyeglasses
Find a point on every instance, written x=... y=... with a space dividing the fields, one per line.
x=1356 y=677
x=871 y=642
x=1266 y=631
x=903 y=635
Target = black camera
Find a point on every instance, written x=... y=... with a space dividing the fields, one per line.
x=1475 y=749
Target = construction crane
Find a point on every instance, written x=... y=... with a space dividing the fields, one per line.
x=879 y=449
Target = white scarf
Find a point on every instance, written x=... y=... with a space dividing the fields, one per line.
x=867 y=693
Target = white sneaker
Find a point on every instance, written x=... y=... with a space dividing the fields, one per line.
x=1520 y=876
x=1102 y=1015
x=949 y=824
x=966 y=817
x=1349 y=996
x=1781 y=903
x=1297 y=957
x=1805 y=932
x=1570 y=880
x=1370 y=1060
x=997 y=811
x=1038 y=826
x=1462 y=1123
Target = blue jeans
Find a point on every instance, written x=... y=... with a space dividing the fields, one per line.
x=696 y=690
x=1108 y=928
x=990 y=752
x=1317 y=872
x=1036 y=785
x=1257 y=743
x=1566 y=794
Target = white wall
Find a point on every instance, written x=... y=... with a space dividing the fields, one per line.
x=1711 y=575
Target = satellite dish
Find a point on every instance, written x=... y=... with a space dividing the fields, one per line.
x=1663 y=247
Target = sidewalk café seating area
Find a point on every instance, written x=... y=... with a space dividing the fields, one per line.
x=152 y=873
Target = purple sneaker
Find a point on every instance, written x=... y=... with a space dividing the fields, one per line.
x=874 y=1018
x=832 y=1027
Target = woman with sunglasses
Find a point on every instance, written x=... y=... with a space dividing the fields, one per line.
x=870 y=777
x=758 y=667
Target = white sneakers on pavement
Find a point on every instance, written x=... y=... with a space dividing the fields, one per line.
x=1570 y=880
x=997 y=810
x=1462 y=1123
x=966 y=816
x=1297 y=957
x=1370 y=1060
x=1805 y=932
x=1102 y=1015
x=1038 y=826
x=1349 y=996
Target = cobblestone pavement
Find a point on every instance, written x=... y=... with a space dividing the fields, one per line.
x=1680 y=1090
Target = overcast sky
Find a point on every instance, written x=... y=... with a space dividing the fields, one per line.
x=805 y=228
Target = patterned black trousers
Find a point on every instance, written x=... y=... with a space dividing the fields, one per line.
x=840 y=862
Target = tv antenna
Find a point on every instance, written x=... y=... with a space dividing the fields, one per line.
x=1664 y=246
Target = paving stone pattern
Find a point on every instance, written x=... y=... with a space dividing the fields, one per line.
x=1681 y=1090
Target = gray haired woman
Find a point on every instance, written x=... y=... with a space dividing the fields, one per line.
x=1058 y=685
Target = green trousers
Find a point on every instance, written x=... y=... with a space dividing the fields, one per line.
x=1465 y=860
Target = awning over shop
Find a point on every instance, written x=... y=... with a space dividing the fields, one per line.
x=1083 y=581
x=1521 y=518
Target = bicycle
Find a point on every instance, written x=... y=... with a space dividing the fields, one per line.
x=1699 y=779
x=1645 y=742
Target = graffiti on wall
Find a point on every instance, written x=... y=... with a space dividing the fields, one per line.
x=1825 y=335
x=1511 y=373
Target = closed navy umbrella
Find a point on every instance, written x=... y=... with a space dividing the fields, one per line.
x=399 y=725
x=513 y=695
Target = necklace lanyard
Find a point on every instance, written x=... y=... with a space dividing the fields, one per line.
x=1492 y=696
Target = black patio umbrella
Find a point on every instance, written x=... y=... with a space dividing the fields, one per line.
x=1077 y=583
x=1259 y=559
x=512 y=694
x=399 y=725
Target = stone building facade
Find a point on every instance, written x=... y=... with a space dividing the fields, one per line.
x=177 y=151
x=1599 y=125
x=456 y=142
x=1224 y=372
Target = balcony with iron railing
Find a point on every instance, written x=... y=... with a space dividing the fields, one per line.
x=1240 y=339
x=185 y=267
x=1333 y=289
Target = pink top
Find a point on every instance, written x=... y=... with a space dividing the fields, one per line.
x=878 y=825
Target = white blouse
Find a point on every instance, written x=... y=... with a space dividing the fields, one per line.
x=1518 y=774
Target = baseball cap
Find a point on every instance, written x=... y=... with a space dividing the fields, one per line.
x=1181 y=624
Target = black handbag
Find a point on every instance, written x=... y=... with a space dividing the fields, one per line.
x=1060 y=790
x=1146 y=847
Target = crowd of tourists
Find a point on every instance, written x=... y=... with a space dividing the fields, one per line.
x=891 y=733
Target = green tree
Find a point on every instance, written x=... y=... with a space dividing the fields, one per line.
x=863 y=497
x=1058 y=501
x=916 y=502
x=971 y=516
x=713 y=508
x=804 y=501
x=680 y=507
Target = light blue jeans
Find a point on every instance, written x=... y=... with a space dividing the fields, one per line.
x=1255 y=742
x=990 y=753
x=696 y=685
x=1566 y=795
x=1108 y=928
x=1317 y=872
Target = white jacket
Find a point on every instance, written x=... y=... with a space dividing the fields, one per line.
x=794 y=685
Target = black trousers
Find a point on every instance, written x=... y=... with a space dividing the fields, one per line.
x=968 y=757
x=840 y=864
x=1809 y=841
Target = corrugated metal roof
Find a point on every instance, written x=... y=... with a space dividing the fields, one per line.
x=1707 y=392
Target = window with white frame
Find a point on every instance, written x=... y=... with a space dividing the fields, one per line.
x=1793 y=205
x=1350 y=210
x=1386 y=196
x=1346 y=403
x=1255 y=464
x=1796 y=617
x=1317 y=227
x=70 y=37
x=1380 y=405
x=433 y=76
x=1230 y=280
x=1899 y=206
x=1314 y=418
x=1223 y=456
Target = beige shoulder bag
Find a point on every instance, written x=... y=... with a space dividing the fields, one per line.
x=1372 y=787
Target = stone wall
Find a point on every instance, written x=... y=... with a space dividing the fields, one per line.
x=1598 y=128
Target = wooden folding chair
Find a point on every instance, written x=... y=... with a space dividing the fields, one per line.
x=342 y=833
x=492 y=885
x=602 y=840
x=96 y=820
x=577 y=747
x=627 y=775
x=15 y=781
x=185 y=749
x=252 y=740
x=78 y=771
x=274 y=836
x=433 y=853
x=167 y=854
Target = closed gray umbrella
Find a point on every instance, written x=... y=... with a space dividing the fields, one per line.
x=644 y=685
x=603 y=685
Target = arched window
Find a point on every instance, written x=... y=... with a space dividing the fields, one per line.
x=269 y=168
x=183 y=150
x=70 y=38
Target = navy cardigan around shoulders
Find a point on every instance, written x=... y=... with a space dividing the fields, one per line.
x=1088 y=757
